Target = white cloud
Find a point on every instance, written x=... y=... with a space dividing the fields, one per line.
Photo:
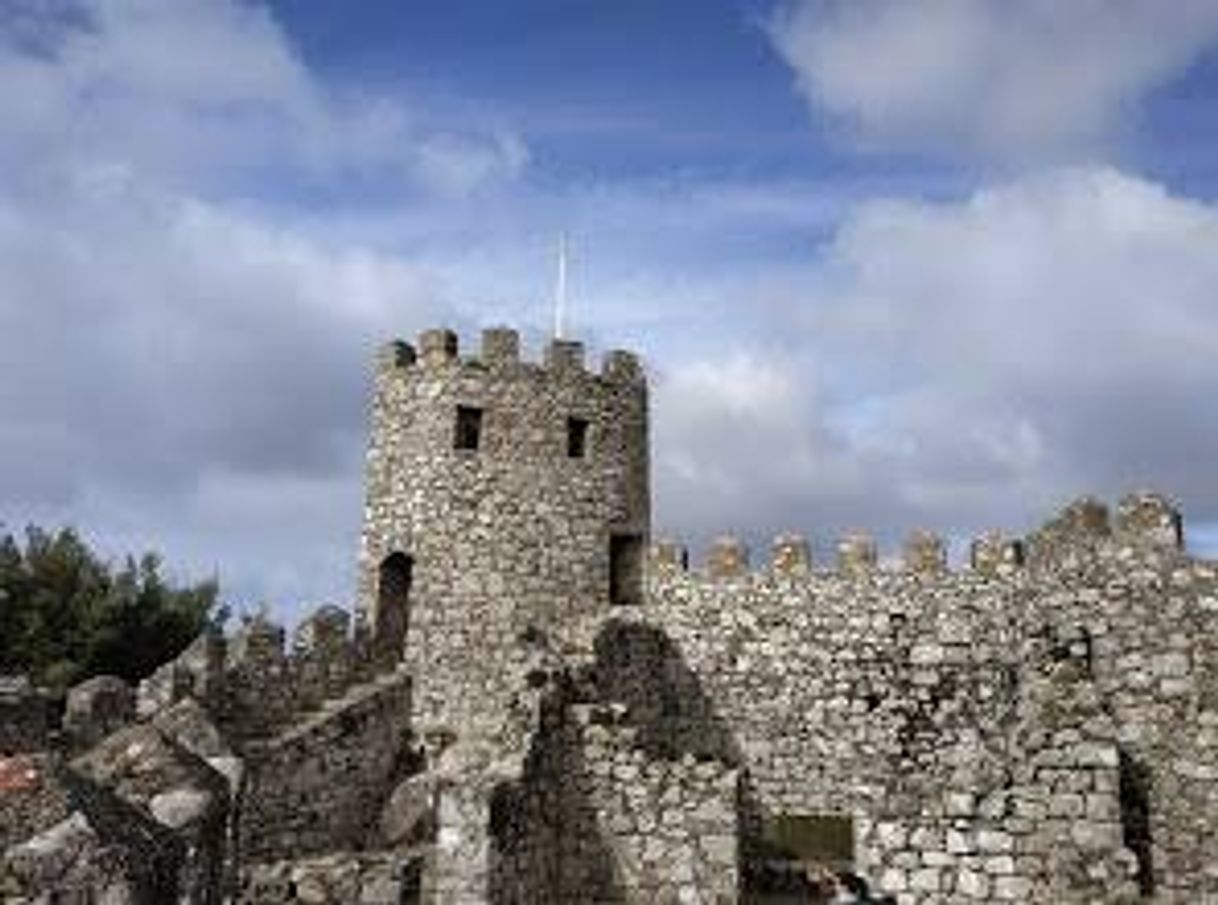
x=1002 y=78
x=162 y=353
x=169 y=343
x=456 y=165
x=205 y=91
x=965 y=365
x=189 y=366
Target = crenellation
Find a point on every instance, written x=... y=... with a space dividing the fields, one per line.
x=197 y=673
x=620 y=366
x=1085 y=515
x=924 y=553
x=993 y=554
x=1072 y=539
x=438 y=348
x=1149 y=518
x=728 y=557
x=394 y=355
x=500 y=347
x=790 y=555
x=323 y=660
x=325 y=629
x=257 y=642
x=564 y=356
x=667 y=554
x=856 y=554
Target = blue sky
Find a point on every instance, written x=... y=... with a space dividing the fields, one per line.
x=893 y=263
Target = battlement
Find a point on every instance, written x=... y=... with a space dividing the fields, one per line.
x=790 y=557
x=438 y=351
x=1145 y=522
x=258 y=679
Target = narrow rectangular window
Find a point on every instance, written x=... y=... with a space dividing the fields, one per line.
x=577 y=438
x=469 y=427
x=625 y=569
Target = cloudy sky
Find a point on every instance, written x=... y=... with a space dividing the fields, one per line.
x=893 y=263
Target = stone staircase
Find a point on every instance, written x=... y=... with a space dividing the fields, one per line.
x=352 y=698
x=319 y=784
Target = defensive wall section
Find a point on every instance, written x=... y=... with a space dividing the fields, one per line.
x=1037 y=727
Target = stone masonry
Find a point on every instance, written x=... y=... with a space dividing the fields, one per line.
x=538 y=703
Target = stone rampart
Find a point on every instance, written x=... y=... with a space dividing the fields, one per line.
x=598 y=818
x=891 y=698
x=340 y=878
x=626 y=792
x=255 y=683
x=320 y=785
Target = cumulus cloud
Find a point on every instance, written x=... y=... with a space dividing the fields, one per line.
x=184 y=367
x=967 y=364
x=456 y=165
x=184 y=362
x=160 y=348
x=1007 y=79
x=210 y=92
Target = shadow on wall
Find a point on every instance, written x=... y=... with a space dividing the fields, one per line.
x=639 y=666
x=548 y=845
x=547 y=841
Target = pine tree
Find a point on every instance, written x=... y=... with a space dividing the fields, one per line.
x=66 y=614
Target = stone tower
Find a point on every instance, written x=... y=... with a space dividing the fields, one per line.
x=506 y=501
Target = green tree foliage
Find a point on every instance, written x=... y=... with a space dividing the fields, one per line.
x=66 y=614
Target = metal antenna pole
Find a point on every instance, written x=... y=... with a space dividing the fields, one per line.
x=560 y=290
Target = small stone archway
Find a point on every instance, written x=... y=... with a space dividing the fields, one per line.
x=394 y=578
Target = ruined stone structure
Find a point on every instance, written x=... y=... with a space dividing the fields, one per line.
x=536 y=703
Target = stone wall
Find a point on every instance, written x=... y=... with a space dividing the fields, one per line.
x=514 y=534
x=255 y=683
x=69 y=862
x=97 y=707
x=342 y=878
x=912 y=701
x=1050 y=831
x=320 y=785
x=597 y=818
x=163 y=805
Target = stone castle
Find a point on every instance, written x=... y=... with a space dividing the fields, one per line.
x=536 y=703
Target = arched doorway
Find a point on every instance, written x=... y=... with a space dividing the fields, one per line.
x=394 y=578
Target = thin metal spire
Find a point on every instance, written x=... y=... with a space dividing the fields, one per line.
x=560 y=289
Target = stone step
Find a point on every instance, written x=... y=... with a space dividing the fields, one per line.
x=354 y=695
